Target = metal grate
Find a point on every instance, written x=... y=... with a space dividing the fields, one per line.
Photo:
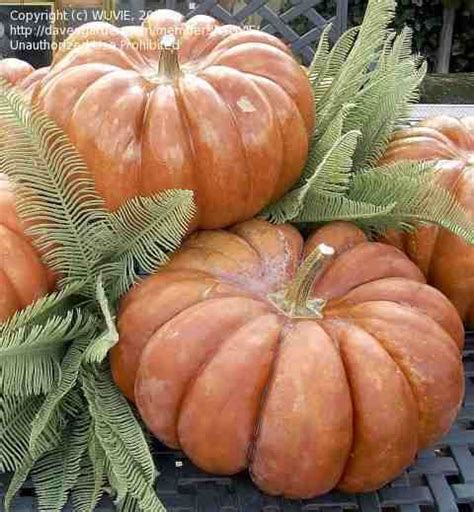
x=441 y=480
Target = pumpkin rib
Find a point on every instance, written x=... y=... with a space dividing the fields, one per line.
x=47 y=93
x=306 y=431
x=294 y=94
x=226 y=370
x=411 y=294
x=408 y=363
x=268 y=181
x=391 y=263
x=230 y=172
x=291 y=160
x=251 y=36
x=264 y=396
x=184 y=117
x=246 y=234
x=131 y=365
x=196 y=243
x=22 y=266
x=252 y=309
x=9 y=299
x=348 y=338
x=235 y=123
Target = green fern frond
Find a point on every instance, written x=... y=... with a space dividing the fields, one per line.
x=91 y=480
x=42 y=425
x=148 y=229
x=320 y=146
x=30 y=356
x=331 y=176
x=128 y=504
x=386 y=100
x=418 y=198
x=350 y=77
x=16 y=418
x=18 y=479
x=58 y=203
x=320 y=56
x=36 y=313
x=99 y=347
x=324 y=74
x=56 y=473
x=121 y=437
x=322 y=208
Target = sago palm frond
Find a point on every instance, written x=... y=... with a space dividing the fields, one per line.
x=147 y=229
x=121 y=438
x=16 y=418
x=30 y=357
x=57 y=201
x=42 y=425
x=418 y=198
x=98 y=348
x=56 y=472
x=91 y=479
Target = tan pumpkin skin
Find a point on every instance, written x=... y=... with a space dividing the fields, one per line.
x=232 y=125
x=23 y=277
x=306 y=404
x=446 y=260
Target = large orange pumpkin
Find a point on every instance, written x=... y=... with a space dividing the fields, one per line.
x=23 y=277
x=227 y=115
x=446 y=260
x=231 y=355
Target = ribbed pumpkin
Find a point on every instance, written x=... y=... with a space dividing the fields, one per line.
x=227 y=115
x=446 y=260
x=233 y=355
x=23 y=277
x=21 y=74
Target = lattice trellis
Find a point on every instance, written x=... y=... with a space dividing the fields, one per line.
x=271 y=19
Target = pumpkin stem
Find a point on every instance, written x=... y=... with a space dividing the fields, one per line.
x=295 y=300
x=168 y=63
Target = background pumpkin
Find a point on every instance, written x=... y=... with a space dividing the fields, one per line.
x=446 y=260
x=231 y=121
x=23 y=277
x=337 y=384
x=21 y=74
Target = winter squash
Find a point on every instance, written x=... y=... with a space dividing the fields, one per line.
x=446 y=260
x=316 y=365
x=227 y=115
x=23 y=277
x=21 y=74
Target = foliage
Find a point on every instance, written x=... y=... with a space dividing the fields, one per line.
x=62 y=419
x=425 y=17
x=364 y=88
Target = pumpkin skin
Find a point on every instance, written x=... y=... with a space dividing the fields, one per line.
x=23 y=277
x=232 y=125
x=445 y=259
x=22 y=75
x=217 y=369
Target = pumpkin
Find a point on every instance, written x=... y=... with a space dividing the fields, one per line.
x=445 y=259
x=316 y=365
x=23 y=277
x=227 y=115
x=21 y=74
